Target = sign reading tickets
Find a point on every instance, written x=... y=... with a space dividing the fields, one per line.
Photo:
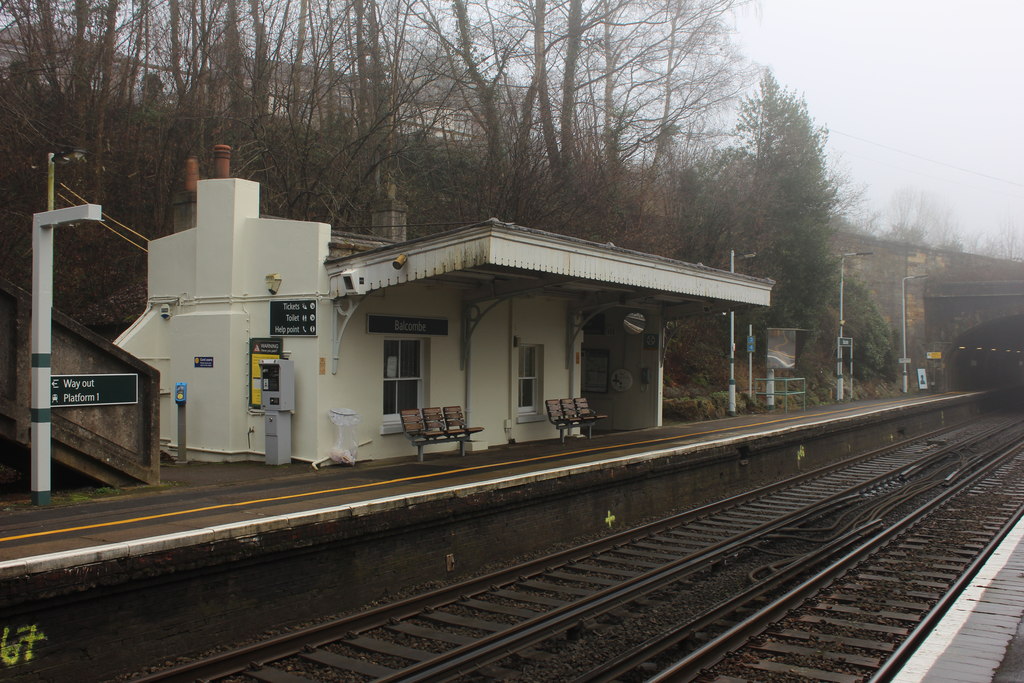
x=260 y=349
x=293 y=318
x=397 y=324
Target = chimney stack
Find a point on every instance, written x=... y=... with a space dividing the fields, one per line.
x=222 y=161
x=184 y=202
x=388 y=217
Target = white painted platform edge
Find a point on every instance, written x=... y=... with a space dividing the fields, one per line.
x=926 y=664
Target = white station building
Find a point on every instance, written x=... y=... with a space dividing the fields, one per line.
x=492 y=317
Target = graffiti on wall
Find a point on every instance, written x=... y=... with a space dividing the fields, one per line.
x=17 y=644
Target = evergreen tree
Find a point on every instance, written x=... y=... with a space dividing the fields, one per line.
x=790 y=201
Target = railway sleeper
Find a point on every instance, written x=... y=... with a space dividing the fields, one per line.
x=861 y=643
x=806 y=672
x=849 y=658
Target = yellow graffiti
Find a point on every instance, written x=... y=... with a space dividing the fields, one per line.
x=800 y=453
x=17 y=648
x=610 y=519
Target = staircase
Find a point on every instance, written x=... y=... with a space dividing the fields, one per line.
x=113 y=445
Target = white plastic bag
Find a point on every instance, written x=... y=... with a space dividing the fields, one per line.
x=346 y=442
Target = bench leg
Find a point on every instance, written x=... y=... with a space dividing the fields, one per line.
x=462 y=447
x=419 y=451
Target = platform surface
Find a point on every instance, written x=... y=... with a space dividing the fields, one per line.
x=200 y=496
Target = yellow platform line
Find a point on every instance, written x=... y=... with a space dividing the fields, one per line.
x=402 y=480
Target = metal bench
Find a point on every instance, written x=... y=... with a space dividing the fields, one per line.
x=427 y=426
x=566 y=413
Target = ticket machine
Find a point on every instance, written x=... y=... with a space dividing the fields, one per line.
x=277 y=401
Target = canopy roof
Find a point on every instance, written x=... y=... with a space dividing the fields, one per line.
x=494 y=260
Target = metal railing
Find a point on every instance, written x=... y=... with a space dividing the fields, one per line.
x=769 y=388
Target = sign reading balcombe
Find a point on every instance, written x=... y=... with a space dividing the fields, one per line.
x=401 y=324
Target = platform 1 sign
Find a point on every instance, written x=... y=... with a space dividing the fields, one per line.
x=68 y=391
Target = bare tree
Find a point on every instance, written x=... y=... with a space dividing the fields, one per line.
x=921 y=218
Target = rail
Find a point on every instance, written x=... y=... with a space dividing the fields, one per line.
x=520 y=607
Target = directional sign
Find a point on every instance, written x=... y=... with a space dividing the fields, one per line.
x=295 y=318
x=93 y=390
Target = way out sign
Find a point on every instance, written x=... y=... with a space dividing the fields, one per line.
x=93 y=390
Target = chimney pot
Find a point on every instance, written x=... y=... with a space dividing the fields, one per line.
x=191 y=174
x=222 y=161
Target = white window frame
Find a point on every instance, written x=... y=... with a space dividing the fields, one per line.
x=391 y=423
x=533 y=412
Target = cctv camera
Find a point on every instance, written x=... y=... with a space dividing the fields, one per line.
x=165 y=311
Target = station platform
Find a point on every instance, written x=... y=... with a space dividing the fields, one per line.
x=980 y=639
x=196 y=497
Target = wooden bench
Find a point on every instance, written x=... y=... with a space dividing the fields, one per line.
x=566 y=413
x=436 y=425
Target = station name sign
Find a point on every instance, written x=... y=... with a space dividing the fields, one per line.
x=93 y=390
x=397 y=324
x=296 y=318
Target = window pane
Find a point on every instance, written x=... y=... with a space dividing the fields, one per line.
x=390 y=401
x=390 y=358
x=407 y=394
x=527 y=361
x=410 y=358
x=526 y=393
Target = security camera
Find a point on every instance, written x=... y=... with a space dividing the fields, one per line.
x=165 y=311
x=273 y=282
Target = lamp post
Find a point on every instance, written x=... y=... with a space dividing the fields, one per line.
x=732 y=337
x=42 y=312
x=904 y=361
x=65 y=156
x=839 y=341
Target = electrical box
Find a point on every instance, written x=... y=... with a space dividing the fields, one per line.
x=278 y=384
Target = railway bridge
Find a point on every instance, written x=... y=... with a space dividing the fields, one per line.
x=964 y=312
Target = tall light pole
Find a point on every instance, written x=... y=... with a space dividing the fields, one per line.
x=839 y=341
x=42 y=313
x=904 y=361
x=65 y=156
x=732 y=337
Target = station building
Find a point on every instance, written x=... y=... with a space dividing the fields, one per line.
x=493 y=317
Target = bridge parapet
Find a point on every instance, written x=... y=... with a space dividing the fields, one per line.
x=976 y=288
x=115 y=445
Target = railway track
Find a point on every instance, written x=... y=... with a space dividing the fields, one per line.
x=864 y=612
x=521 y=623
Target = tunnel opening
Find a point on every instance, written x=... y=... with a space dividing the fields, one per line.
x=988 y=356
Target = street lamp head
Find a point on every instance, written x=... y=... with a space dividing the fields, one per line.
x=859 y=253
x=68 y=155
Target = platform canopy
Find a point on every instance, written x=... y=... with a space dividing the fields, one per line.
x=496 y=260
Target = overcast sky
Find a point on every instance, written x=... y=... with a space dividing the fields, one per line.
x=919 y=94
